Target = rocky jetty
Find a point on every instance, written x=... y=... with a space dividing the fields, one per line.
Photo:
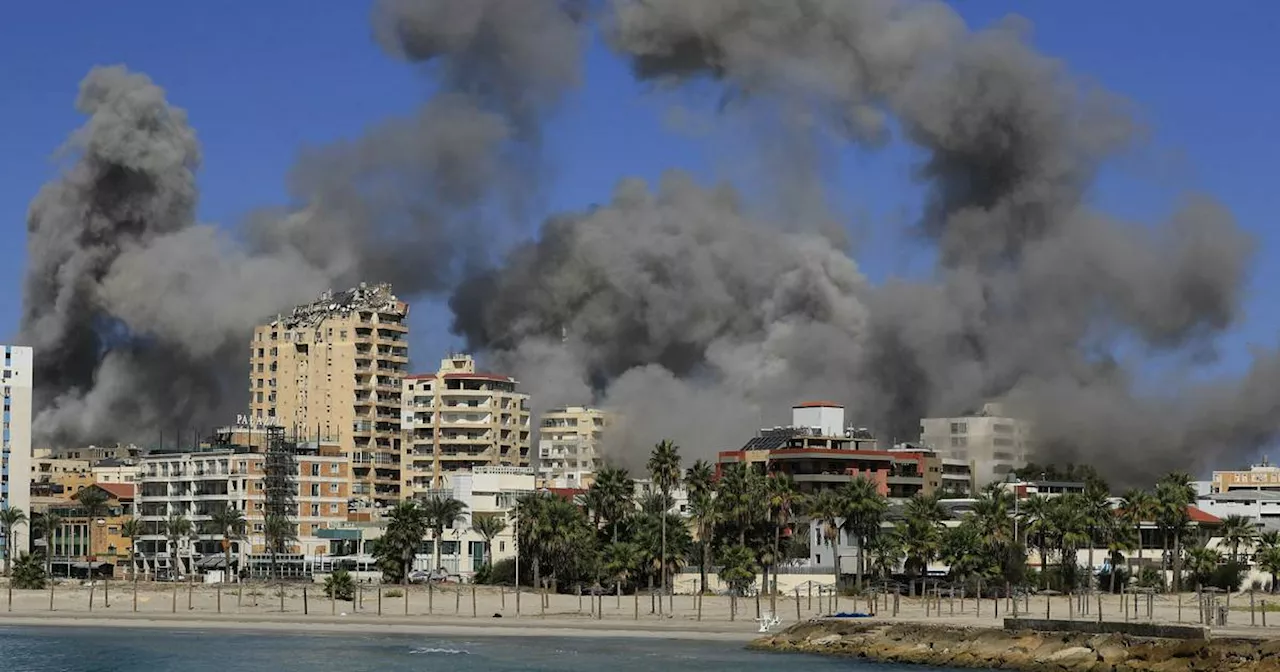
x=1020 y=650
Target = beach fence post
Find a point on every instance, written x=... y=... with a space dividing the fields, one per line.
x=636 y=615
x=135 y=590
x=379 y=599
x=542 y=599
x=280 y=587
x=218 y=588
x=306 y=608
x=191 y=589
x=757 y=605
x=406 y=599
x=517 y=595
x=91 y=584
x=797 y=606
x=431 y=597
x=51 y=584
x=473 y=600
x=106 y=593
x=11 y=592
x=700 y=601
x=733 y=606
x=358 y=603
x=1264 y=613
x=175 y=598
x=579 y=599
x=1253 y=617
x=502 y=594
x=1071 y=607
x=239 y=595
x=897 y=603
x=810 y=596
x=1099 y=606
x=457 y=600
x=333 y=601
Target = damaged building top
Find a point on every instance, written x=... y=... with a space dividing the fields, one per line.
x=372 y=298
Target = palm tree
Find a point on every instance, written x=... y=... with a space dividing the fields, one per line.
x=1121 y=540
x=1202 y=562
x=1070 y=529
x=488 y=526
x=440 y=513
x=406 y=526
x=617 y=494
x=229 y=522
x=1035 y=512
x=622 y=561
x=921 y=540
x=885 y=554
x=962 y=549
x=828 y=509
x=784 y=501
x=703 y=511
x=132 y=529
x=1099 y=519
x=278 y=531
x=1174 y=493
x=177 y=527
x=10 y=519
x=664 y=471
x=700 y=479
x=1238 y=531
x=94 y=502
x=49 y=523
x=1269 y=561
x=1138 y=507
x=864 y=509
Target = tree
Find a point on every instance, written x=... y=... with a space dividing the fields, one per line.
x=1138 y=507
x=1038 y=526
x=93 y=500
x=738 y=568
x=132 y=529
x=27 y=573
x=177 y=527
x=406 y=526
x=49 y=524
x=617 y=493
x=1121 y=540
x=1269 y=561
x=339 y=586
x=863 y=510
x=885 y=554
x=1174 y=494
x=965 y=552
x=10 y=519
x=921 y=540
x=703 y=512
x=664 y=471
x=785 y=502
x=622 y=562
x=828 y=509
x=1202 y=562
x=1099 y=518
x=488 y=526
x=555 y=534
x=278 y=531
x=1069 y=525
x=1238 y=531
x=228 y=522
x=440 y=513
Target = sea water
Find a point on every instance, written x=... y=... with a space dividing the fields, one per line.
x=72 y=649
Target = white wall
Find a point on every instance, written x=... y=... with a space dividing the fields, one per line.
x=15 y=450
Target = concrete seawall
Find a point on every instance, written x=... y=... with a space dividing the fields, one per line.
x=1022 y=649
x=1135 y=629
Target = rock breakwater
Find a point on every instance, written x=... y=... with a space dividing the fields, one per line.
x=1021 y=650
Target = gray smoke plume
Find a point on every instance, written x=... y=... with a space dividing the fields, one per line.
x=697 y=315
x=1033 y=292
x=140 y=317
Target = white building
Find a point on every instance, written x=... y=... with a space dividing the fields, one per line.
x=569 y=446
x=487 y=491
x=993 y=443
x=15 y=440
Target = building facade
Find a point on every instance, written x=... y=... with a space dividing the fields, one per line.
x=71 y=553
x=457 y=420
x=196 y=484
x=15 y=440
x=569 y=441
x=333 y=370
x=993 y=443
x=1265 y=476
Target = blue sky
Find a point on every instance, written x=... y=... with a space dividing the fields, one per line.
x=260 y=80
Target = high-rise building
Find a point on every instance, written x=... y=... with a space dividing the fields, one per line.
x=569 y=446
x=457 y=419
x=15 y=440
x=332 y=370
x=993 y=443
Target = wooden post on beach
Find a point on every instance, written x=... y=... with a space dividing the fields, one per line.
x=106 y=593
x=757 y=605
x=333 y=602
x=175 y=598
x=91 y=582
x=700 y=602
x=218 y=588
x=239 y=595
x=11 y=593
x=542 y=599
x=358 y=603
x=306 y=608
x=579 y=599
x=995 y=605
x=191 y=589
x=797 y=606
x=473 y=600
x=1099 y=606
x=379 y=599
x=431 y=597
x=1253 y=618
x=457 y=599
x=406 y=600
x=517 y=596
x=502 y=594
x=135 y=590
x=637 y=602
x=50 y=593
x=1264 y=613
x=810 y=596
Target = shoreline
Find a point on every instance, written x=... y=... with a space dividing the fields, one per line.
x=438 y=627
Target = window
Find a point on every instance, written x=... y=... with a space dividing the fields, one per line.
x=333 y=508
x=315 y=489
x=959 y=441
x=333 y=468
x=333 y=488
x=315 y=509
x=1001 y=428
x=959 y=427
x=315 y=469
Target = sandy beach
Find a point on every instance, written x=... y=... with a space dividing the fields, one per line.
x=468 y=610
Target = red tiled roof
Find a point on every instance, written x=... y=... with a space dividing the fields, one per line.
x=818 y=404
x=121 y=491
x=566 y=493
x=1200 y=516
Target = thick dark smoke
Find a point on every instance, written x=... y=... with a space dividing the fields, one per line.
x=698 y=316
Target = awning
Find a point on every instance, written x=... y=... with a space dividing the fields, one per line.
x=212 y=562
x=85 y=565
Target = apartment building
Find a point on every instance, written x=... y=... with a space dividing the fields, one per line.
x=458 y=419
x=233 y=471
x=70 y=551
x=569 y=441
x=15 y=440
x=333 y=369
x=992 y=442
x=1259 y=477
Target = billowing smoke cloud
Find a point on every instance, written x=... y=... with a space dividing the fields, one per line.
x=1033 y=292
x=140 y=316
x=696 y=315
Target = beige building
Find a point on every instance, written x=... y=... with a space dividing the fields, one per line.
x=332 y=370
x=1265 y=476
x=569 y=446
x=458 y=419
x=993 y=443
